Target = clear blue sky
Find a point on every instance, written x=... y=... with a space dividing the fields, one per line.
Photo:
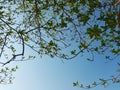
x=53 y=74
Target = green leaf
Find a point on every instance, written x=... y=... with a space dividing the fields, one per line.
x=22 y=32
x=64 y=55
x=10 y=32
x=107 y=57
x=75 y=83
x=26 y=38
x=10 y=81
x=73 y=52
x=2 y=70
x=88 y=86
x=7 y=68
x=50 y=23
x=96 y=49
x=16 y=67
x=13 y=49
x=13 y=69
x=103 y=43
x=94 y=83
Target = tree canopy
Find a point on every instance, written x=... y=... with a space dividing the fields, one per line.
x=60 y=28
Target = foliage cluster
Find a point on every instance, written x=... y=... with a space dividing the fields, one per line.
x=52 y=27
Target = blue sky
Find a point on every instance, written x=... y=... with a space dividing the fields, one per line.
x=54 y=74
